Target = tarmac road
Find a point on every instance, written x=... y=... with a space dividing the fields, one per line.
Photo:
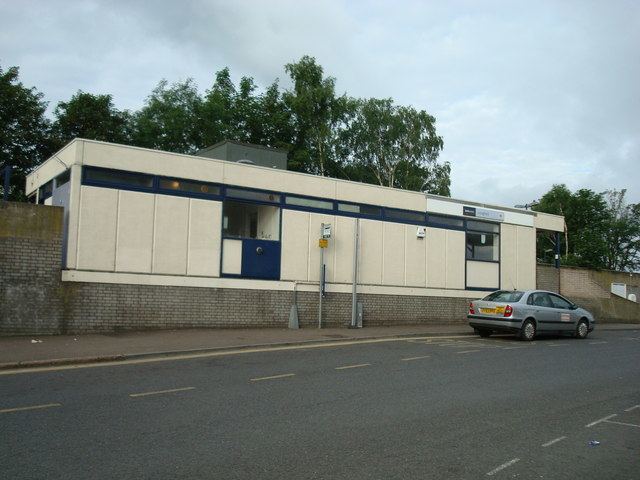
x=403 y=408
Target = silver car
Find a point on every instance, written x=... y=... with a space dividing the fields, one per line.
x=528 y=313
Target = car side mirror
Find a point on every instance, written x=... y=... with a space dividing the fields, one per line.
x=573 y=306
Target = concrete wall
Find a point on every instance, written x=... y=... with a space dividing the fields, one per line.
x=31 y=297
x=591 y=289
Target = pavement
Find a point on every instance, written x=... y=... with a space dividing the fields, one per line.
x=399 y=408
x=37 y=351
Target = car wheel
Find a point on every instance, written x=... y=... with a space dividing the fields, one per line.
x=582 y=330
x=484 y=333
x=528 y=330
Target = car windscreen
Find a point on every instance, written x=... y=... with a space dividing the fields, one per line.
x=504 y=296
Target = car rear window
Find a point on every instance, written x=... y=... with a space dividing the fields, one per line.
x=504 y=296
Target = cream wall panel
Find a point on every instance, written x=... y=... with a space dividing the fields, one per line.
x=546 y=221
x=436 y=257
x=97 y=229
x=508 y=257
x=74 y=216
x=152 y=161
x=315 y=221
x=376 y=195
x=232 y=256
x=344 y=249
x=171 y=235
x=295 y=246
x=53 y=167
x=455 y=258
x=393 y=260
x=205 y=221
x=483 y=275
x=435 y=205
x=515 y=218
x=370 y=261
x=134 y=244
x=415 y=258
x=526 y=238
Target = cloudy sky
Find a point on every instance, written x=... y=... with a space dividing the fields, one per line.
x=526 y=94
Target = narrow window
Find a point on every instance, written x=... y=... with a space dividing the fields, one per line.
x=308 y=202
x=63 y=178
x=404 y=216
x=440 y=220
x=188 y=186
x=118 y=178
x=253 y=195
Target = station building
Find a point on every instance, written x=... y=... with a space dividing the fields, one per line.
x=235 y=239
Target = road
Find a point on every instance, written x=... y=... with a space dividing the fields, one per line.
x=411 y=408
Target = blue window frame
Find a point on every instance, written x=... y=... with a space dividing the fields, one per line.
x=252 y=195
x=444 y=221
x=188 y=188
x=308 y=203
x=360 y=210
x=405 y=216
x=103 y=177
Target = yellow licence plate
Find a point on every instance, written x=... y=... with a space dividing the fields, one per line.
x=492 y=310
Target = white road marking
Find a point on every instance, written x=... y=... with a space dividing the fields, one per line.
x=513 y=348
x=632 y=408
x=555 y=440
x=33 y=407
x=353 y=366
x=557 y=344
x=503 y=466
x=469 y=351
x=160 y=392
x=601 y=420
x=622 y=423
x=272 y=377
x=596 y=343
x=414 y=358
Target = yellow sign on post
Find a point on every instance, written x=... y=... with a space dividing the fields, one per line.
x=323 y=243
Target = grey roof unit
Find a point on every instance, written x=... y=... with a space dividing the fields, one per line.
x=246 y=153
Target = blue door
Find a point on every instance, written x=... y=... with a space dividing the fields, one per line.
x=260 y=259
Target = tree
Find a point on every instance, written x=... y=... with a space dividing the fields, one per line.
x=622 y=235
x=23 y=129
x=318 y=116
x=399 y=145
x=170 y=119
x=93 y=117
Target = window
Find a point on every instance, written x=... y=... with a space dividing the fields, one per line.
x=483 y=226
x=63 y=178
x=559 y=302
x=539 y=299
x=188 y=186
x=249 y=220
x=45 y=191
x=445 y=221
x=483 y=246
x=308 y=202
x=404 y=215
x=504 y=296
x=253 y=195
x=361 y=209
x=118 y=178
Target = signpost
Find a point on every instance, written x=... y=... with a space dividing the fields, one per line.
x=323 y=242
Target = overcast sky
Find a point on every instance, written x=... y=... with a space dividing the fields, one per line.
x=526 y=94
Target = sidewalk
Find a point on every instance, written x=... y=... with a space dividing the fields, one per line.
x=36 y=350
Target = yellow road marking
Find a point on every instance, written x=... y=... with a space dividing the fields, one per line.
x=159 y=392
x=408 y=359
x=189 y=356
x=272 y=377
x=353 y=366
x=33 y=407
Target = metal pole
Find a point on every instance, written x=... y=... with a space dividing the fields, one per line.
x=557 y=252
x=354 y=296
x=320 y=281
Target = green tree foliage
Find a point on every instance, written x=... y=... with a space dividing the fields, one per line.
x=318 y=118
x=170 y=119
x=93 y=117
x=24 y=141
x=399 y=145
x=602 y=231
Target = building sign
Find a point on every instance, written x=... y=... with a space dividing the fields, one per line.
x=323 y=243
x=326 y=230
x=483 y=213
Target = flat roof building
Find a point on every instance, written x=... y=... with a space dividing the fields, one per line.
x=139 y=216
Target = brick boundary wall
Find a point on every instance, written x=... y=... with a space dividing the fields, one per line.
x=34 y=300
